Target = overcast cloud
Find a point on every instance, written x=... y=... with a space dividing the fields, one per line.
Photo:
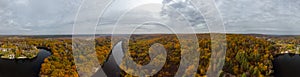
x=240 y=16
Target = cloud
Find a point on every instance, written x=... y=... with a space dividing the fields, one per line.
x=32 y=16
x=156 y=12
x=184 y=8
x=240 y=16
x=261 y=16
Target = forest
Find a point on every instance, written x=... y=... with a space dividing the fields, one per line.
x=246 y=55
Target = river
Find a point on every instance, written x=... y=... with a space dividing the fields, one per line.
x=24 y=67
x=286 y=65
x=110 y=67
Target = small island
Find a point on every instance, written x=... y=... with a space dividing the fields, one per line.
x=18 y=51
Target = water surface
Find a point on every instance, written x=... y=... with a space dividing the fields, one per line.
x=23 y=67
x=286 y=65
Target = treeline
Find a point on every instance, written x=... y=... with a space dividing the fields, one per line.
x=248 y=56
x=245 y=55
x=60 y=63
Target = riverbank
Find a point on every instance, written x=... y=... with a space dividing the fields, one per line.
x=23 y=57
x=19 y=54
x=23 y=67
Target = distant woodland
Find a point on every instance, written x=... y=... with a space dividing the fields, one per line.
x=246 y=55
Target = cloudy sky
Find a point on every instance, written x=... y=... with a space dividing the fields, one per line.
x=39 y=17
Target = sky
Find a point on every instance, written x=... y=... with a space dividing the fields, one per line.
x=47 y=17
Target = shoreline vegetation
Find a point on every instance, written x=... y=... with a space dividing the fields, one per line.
x=17 y=51
x=246 y=55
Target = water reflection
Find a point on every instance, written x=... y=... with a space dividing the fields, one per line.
x=24 y=67
x=286 y=65
x=110 y=67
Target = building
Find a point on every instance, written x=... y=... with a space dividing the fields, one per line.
x=11 y=56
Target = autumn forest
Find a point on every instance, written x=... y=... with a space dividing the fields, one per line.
x=246 y=55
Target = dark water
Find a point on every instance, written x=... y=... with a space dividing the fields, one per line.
x=286 y=65
x=23 y=68
x=110 y=68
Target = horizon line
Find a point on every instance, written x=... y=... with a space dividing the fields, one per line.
x=134 y=34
